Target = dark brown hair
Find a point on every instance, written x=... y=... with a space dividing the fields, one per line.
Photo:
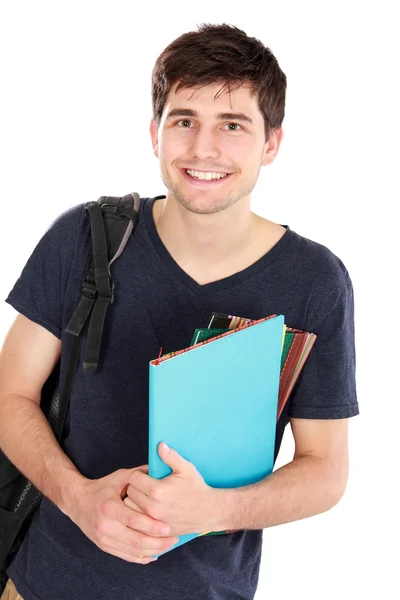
x=221 y=53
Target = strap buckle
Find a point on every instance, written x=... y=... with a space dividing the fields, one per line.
x=89 y=289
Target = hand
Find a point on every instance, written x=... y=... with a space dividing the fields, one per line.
x=99 y=511
x=182 y=500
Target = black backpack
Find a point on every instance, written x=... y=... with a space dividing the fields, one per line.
x=112 y=221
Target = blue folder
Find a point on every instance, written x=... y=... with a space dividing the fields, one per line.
x=216 y=404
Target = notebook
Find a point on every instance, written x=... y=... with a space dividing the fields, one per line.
x=297 y=346
x=216 y=404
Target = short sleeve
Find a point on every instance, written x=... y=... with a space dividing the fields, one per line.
x=326 y=388
x=39 y=291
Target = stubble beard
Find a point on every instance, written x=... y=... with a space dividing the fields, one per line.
x=199 y=204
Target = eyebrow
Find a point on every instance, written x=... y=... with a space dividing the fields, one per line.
x=188 y=112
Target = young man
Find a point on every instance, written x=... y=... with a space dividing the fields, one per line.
x=218 y=106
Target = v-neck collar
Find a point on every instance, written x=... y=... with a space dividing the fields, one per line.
x=260 y=264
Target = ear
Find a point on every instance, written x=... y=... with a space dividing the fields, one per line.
x=272 y=146
x=154 y=137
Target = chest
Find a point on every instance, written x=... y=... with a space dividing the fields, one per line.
x=156 y=308
x=205 y=270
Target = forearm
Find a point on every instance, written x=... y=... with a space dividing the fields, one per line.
x=27 y=439
x=304 y=487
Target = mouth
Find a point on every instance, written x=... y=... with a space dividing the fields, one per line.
x=196 y=181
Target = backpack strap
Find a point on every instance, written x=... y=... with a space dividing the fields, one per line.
x=112 y=220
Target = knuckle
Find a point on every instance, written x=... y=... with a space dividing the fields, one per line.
x=138 y=543
x=157 y=513
x=155 y=493
x=133 y=521
x=153 y=509
x=99 y=526
x=132 y=477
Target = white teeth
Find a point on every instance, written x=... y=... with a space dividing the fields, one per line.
x=205 y=175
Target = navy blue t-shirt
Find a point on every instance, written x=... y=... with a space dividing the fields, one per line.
x=158 y=305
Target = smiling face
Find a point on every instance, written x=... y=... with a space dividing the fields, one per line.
x=220 y=141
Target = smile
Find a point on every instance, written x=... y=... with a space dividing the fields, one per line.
x=204 y=178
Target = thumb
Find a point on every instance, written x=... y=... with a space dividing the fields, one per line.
x=173 y=459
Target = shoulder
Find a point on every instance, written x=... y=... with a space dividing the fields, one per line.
x=321 y=263
x=69 y=219
x=324 y=274
x=65 y=231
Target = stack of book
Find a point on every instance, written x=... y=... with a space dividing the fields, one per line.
x=217 y=401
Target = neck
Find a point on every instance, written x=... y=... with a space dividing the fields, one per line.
x=204 y=238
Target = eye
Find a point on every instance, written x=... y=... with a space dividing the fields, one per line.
x=183 y=121
x=235 y=125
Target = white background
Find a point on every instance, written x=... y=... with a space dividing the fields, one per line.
x=75 y=110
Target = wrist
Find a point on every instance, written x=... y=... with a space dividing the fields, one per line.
x=223 y=509
x=70 y=492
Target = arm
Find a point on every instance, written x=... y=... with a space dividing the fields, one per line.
x=29 y=355
x=312 y=483
x=27 y=358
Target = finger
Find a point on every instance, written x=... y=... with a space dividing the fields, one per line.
x=135 y=548
x=141 y=500
x=125 y=552
x=143 y=468
x=142 y=482
x=131 y=504
x=120 y=514
x=124 y=475
x=143 y=523
x=135 y=543
x=142 y=560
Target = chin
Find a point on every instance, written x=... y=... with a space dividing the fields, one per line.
x=201 y=203
x=204 y=206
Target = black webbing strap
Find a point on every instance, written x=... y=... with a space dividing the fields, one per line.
x=83 y=310
x=112 y=220
x=100 y=258
x=97 y=293
x=103 y=287
x=68 y=383
x=96 y=326
x=84 y=307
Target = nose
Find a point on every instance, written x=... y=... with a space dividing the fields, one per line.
x=205 y=144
